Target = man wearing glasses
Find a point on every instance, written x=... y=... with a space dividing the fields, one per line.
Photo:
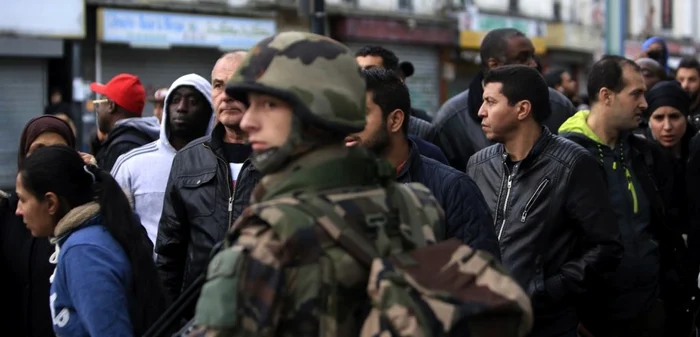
x=119 y=118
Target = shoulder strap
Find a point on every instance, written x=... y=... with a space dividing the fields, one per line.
x=414 y=213
x=415 y=227
x=351 y=239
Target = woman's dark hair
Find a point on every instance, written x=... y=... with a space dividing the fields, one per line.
x=60 y=169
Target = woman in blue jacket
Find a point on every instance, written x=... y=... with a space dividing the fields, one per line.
x=105 y=282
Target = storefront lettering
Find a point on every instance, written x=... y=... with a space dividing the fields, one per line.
x=160 y=29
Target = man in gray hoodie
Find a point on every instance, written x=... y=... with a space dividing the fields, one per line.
x=143 y=172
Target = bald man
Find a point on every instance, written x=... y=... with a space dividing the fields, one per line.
x=209 y=187
x=652 y=71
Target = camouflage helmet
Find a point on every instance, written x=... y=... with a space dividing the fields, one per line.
x=316 y=75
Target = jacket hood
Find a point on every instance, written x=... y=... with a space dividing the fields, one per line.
x=578 y=124
x=200 y=84
x=147 y=125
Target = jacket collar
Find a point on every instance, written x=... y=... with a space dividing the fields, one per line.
x=75 y=218
x=216 y=141
x=325 y=168
x=536 y=150
x=412 y=163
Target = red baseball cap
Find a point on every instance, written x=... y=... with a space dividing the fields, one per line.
x=125 y=90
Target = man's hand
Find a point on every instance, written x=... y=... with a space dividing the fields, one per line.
x=88 y=159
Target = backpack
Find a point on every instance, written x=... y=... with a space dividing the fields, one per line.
x=413 y=286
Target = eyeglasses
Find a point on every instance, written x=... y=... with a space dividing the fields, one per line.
x=97 y=102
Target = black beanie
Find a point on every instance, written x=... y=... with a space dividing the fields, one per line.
x=667 y=93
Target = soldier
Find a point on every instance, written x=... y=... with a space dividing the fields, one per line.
x=297 y=262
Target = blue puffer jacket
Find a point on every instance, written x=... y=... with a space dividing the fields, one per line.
x=468 y=217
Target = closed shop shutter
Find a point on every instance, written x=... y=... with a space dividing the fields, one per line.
x=155 y=67
x=424 y=85
x=23 y=93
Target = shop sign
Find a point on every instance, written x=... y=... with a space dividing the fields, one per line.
x=163 y=30
x=64 y=19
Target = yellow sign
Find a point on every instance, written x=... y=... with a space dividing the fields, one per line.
x=469 y=39
x=574 y=37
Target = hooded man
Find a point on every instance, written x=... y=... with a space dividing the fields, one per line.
x=143 y=172
x=656 y=49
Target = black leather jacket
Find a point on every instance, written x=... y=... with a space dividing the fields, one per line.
x=199 y=207
x=459 y=133
x=553 y=219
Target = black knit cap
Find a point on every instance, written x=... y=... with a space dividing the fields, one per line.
x=667 y=93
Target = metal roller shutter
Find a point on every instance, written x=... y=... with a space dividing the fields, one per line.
x=157 y=68
x=424 y=85
x=23 y=93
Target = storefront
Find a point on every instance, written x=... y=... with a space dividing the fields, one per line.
x=160 y=47
x=24 y=70
x=420 y=45
x=473 y=26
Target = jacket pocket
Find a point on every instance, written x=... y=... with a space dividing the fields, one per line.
x=531 y=202
x=199 y=194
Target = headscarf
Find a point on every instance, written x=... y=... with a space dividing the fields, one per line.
x=667 y=93
x=36 y=126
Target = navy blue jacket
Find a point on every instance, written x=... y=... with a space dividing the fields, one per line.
x=429 y=149
x=467 y=215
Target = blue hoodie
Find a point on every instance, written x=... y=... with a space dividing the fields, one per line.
x=92 y=284
x=143 y=172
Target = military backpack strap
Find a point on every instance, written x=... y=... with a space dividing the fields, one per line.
x=352 y=240
x=418 y=210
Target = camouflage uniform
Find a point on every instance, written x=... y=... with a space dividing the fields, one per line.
x=297 y=262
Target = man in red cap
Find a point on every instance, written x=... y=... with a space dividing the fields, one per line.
x=119 y=118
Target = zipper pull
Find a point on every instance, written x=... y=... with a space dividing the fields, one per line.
x=510 y=181
x=230 y=204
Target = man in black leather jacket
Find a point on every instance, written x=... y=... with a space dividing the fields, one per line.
x=457 y=123
x=467 y=217
x=209 y=187
x=553 y=218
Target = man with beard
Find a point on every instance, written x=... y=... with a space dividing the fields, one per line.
x=466 y=212
x=688 y=74
x=419 y=130
x=458 y=124
x=143 y=172
x=209 y=186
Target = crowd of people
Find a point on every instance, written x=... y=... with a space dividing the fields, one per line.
x=296 y=192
